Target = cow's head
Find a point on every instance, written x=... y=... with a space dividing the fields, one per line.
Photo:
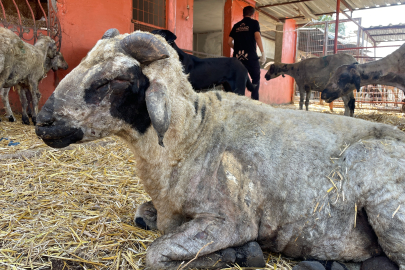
x=275 y=70
x=108 y=92
x=345 y=78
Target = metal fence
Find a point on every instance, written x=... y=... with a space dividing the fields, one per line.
x=317 y=40
x=30 y=19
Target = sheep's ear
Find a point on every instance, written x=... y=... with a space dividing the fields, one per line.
x=355 y=78
x=144 y=47
x=52 y=50
x=110 y=33
x=158 y=107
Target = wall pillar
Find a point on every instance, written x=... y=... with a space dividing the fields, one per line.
x=180 y=21
x=233 y=13
x=288 y=53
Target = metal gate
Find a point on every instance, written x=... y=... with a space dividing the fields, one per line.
x=30 y=19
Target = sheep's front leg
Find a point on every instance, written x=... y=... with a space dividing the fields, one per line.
x=212 y=238
x=4 y=96
x=35 y=99
x=24 y=104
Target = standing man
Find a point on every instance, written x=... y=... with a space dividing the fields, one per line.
x=243 y=39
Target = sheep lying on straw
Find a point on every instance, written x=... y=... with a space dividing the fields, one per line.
x=227 y=174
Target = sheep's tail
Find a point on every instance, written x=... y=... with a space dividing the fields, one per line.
x=249 y=85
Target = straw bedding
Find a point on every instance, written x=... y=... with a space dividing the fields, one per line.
x=73 y=208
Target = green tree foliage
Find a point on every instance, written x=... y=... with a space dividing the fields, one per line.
x=331 y=28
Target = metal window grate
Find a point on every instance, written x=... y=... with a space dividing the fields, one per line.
x=29 y=19
x=149 y=12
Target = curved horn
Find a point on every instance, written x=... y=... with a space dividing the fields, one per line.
x=158 y=109
x=110 y=33
x=144 y=47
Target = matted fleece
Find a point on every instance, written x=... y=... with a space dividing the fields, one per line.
x=73 y=208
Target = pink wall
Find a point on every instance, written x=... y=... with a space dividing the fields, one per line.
x=180 y=22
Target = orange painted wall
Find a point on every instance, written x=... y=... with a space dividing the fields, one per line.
x=180 y=22
x=84 y=23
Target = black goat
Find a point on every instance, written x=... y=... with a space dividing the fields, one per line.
x=208 y=72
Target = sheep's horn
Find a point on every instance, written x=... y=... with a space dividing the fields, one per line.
x=158 y=109
x=110 y=33
x=144 y=47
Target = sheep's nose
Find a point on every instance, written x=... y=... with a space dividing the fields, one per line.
x=46 y=115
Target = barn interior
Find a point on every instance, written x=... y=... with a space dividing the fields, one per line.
x=73 y=208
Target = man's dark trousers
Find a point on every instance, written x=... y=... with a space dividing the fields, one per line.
x=253 y=68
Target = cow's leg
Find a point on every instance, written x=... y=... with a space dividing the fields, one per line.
x=301 y=89
x=146 y=216
x=210 y=237
x=24 y=104
x=4 y=96
x=307 y=96
x=349 y=103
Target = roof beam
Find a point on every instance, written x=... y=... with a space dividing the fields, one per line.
x=285 y=3
x=269 y=15
x=347 y=5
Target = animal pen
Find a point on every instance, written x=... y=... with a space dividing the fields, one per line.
x=317 y=40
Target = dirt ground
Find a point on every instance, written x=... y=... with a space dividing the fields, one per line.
x=73 y=208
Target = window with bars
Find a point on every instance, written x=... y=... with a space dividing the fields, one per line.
x=149 y=14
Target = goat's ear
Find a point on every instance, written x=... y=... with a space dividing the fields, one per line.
x=158 y=107
x=144 y=47
x=168 y=35
x=355 y=78
x=110 y=33
x=272 y=69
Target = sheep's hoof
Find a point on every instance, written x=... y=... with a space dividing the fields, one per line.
x=377 y=263
x=309 y=265
x=25 y=120
x=34 y=121
x=317 y=265
x=250 y=255
x=11 y=118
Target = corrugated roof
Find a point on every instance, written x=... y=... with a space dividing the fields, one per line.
x=300 y=8
x=387 y=33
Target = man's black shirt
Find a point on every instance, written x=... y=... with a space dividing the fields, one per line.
x=243 y=33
